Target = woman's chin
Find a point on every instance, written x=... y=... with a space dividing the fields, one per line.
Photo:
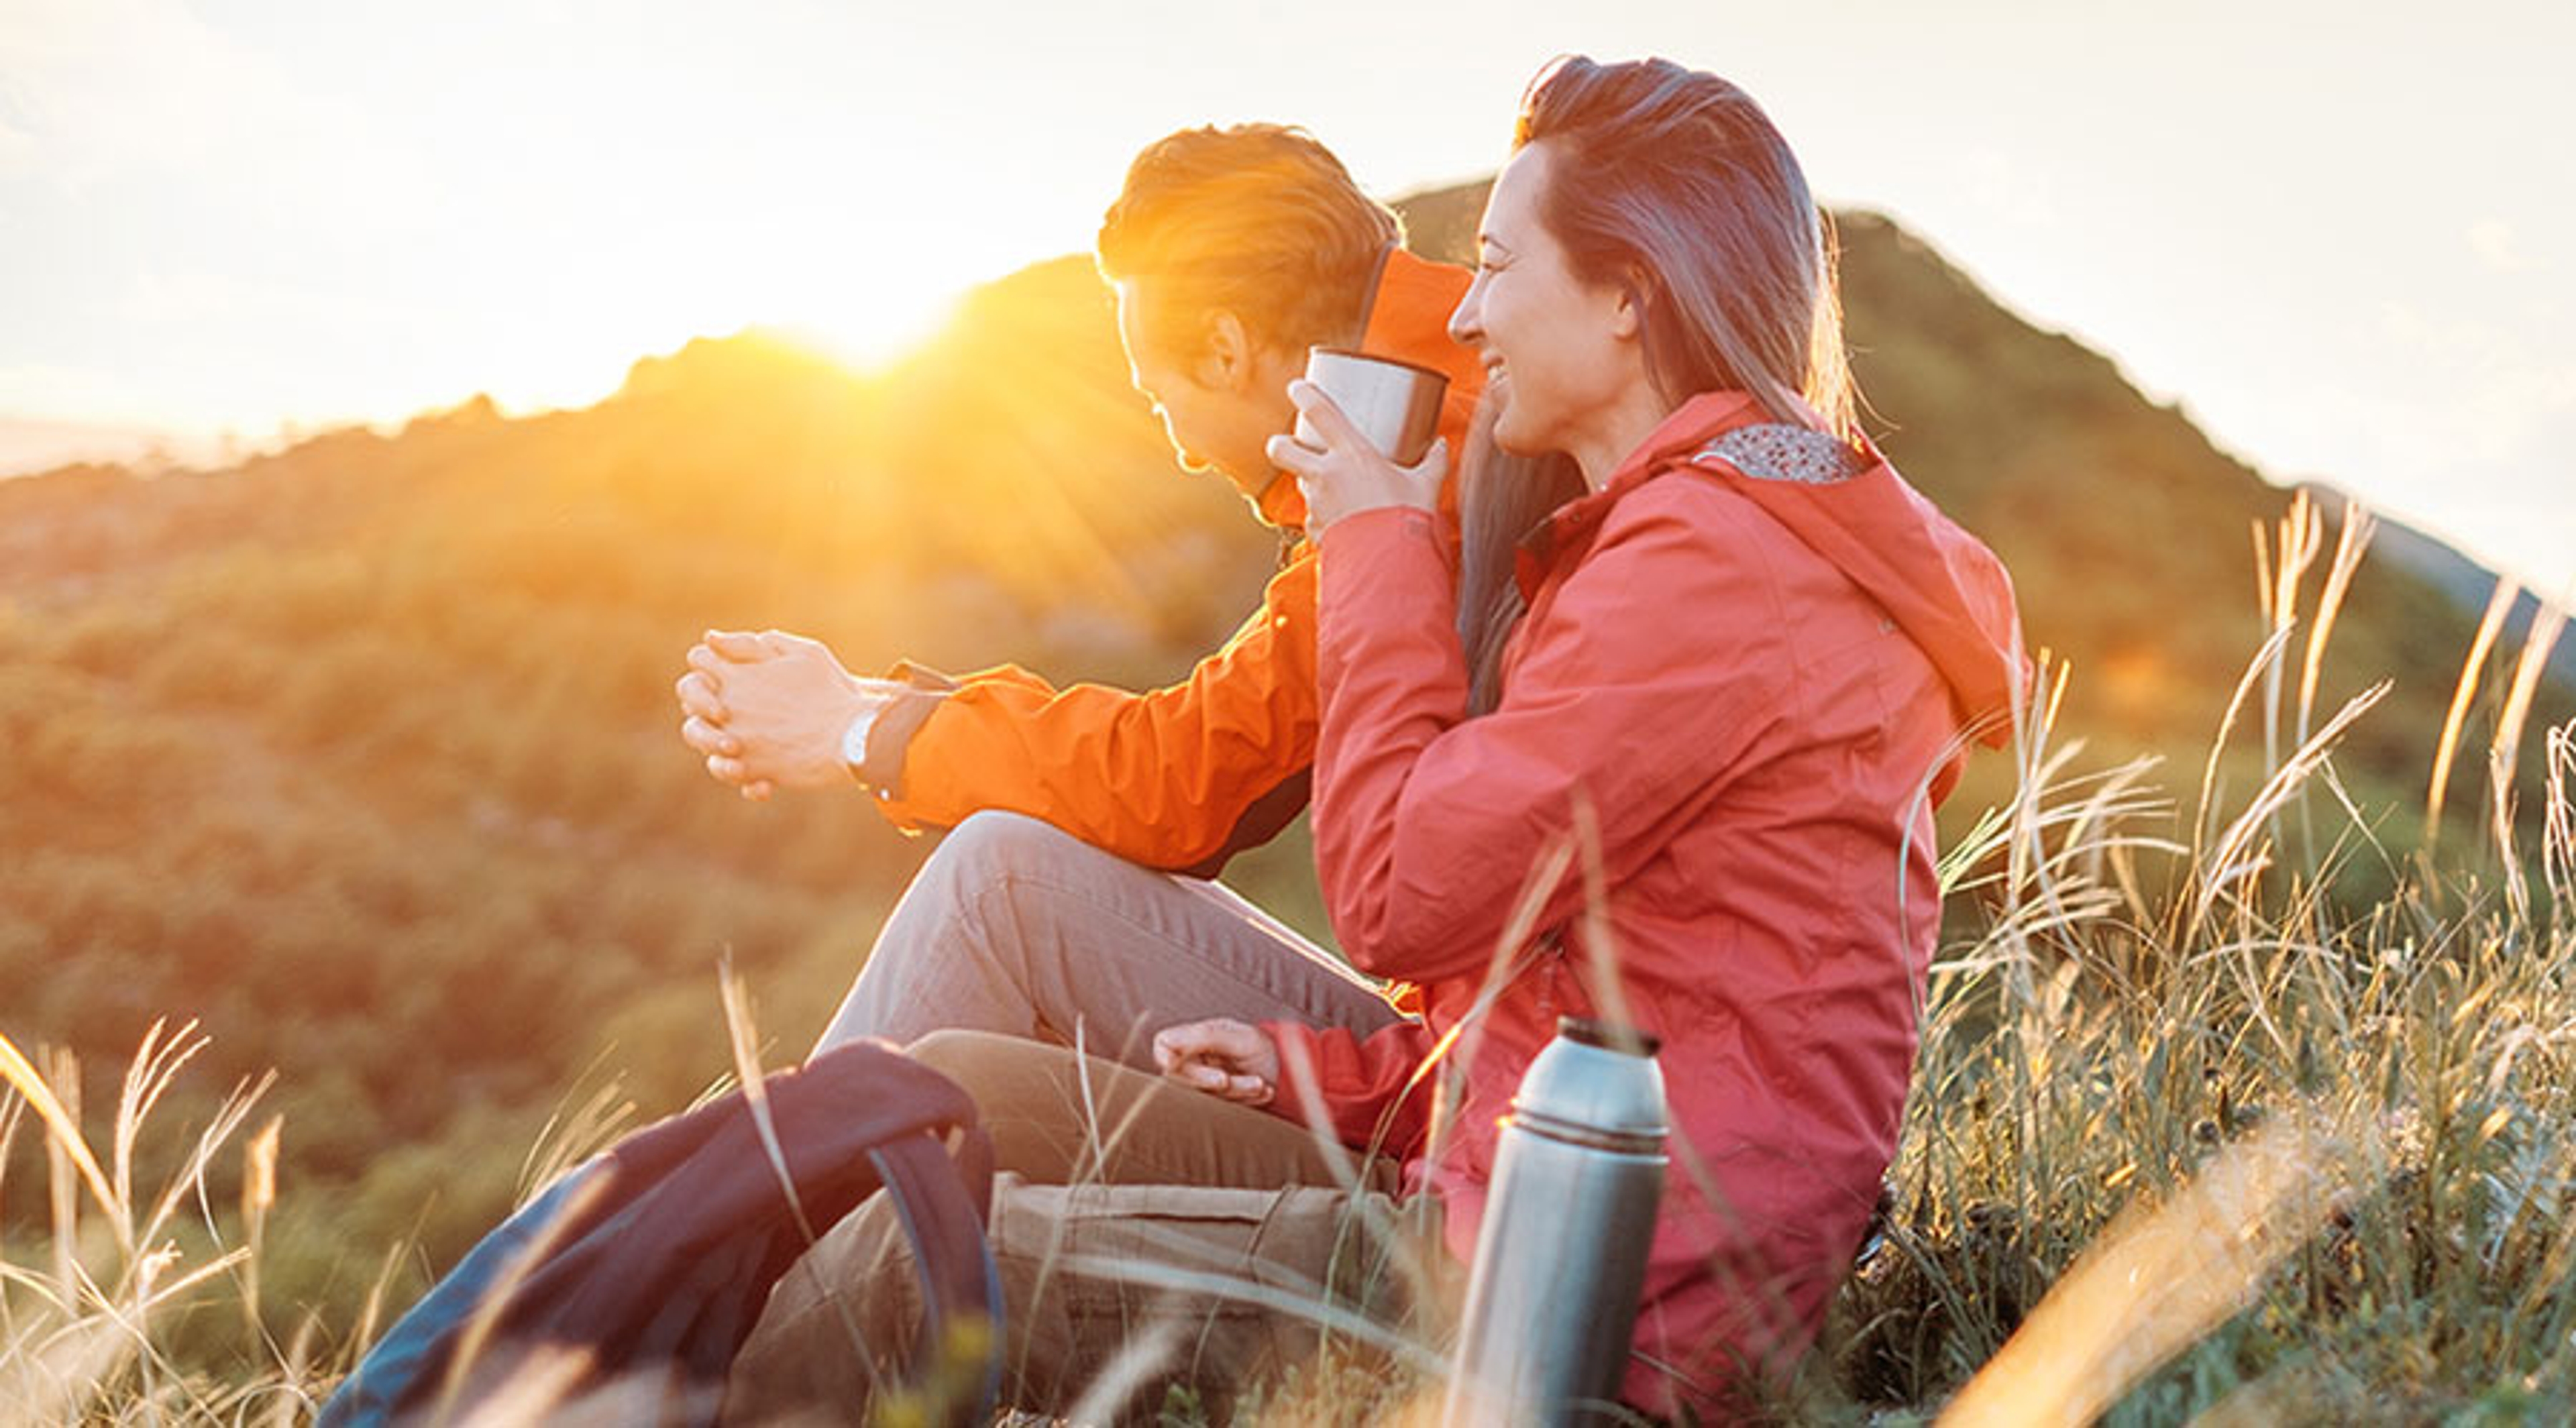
x=1514 y=434
x=1518 y=443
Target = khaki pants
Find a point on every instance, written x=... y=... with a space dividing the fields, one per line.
x=1147 y=1235
x=1015 y=927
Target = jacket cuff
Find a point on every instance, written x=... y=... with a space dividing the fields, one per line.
x=1289 y=1103
x=890 y=738
x=922 y=676
x=1362 y=534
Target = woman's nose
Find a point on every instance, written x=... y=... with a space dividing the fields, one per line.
x=1466 y=321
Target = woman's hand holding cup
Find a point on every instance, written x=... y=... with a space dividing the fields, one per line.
x=1344 y=473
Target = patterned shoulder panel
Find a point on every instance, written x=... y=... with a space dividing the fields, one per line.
x=1777 y=451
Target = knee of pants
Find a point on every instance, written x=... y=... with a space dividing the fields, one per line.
x=984 y=852
x=993 y=841
x=1024 y=1092
x=970 y=1058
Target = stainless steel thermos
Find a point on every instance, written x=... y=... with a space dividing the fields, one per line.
x=1561 y=1256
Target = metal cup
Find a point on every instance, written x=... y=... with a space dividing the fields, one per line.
x=1396 y=405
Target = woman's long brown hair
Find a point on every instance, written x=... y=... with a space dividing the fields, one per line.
x=1501 y=499
x=1673 y=183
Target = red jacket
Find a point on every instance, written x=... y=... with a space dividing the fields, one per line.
x=1184 y=776
x=1747 y=660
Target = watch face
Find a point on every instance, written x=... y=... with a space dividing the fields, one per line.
x=854 y=745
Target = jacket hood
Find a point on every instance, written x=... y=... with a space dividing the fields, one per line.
x=1938 y=583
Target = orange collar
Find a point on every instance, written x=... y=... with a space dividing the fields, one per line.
x=1409 y=319
x=1280 y=503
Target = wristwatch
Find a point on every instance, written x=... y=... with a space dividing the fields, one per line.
x=854 y=744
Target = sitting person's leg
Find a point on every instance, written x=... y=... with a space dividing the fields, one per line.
x=1112 y=1262
x=1061 y=1118
x=1013 y=926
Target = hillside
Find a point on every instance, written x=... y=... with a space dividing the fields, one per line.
x=364 y=754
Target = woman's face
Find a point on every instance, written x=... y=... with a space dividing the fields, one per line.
x=1559 y=352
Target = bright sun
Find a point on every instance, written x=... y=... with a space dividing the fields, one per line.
x=861 y=317
x=867 y=329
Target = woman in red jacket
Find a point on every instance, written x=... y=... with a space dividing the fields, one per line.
x=1735 y=679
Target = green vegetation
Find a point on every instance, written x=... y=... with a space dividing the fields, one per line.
x=363 y=758
x=2270 y=1155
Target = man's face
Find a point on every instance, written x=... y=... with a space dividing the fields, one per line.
x=1220 y=404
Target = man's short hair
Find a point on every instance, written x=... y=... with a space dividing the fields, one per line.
x=1256 y=219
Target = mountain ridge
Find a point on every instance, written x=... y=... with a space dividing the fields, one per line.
x=364 y=751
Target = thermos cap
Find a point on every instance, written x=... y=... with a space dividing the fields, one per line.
x=1608 y=1035
x=1594 y=1080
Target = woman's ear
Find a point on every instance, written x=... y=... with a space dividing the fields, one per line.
x=1628 y=313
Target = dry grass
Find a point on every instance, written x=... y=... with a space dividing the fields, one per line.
x=2190 y=1136
x=78 y=1335
x=2237 y=1144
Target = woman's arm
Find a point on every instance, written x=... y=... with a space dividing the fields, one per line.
x=1359 y=1092
x=1660 y=668
x=1363 y=1092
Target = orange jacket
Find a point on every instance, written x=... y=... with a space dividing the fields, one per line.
x=1745 y=662
x=1185 y=776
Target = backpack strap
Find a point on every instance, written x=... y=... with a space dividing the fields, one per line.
x=943 y=1202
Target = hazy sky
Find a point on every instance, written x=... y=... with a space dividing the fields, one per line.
x=2344 y=243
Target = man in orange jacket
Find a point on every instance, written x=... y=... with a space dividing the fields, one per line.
x=1070 y=901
